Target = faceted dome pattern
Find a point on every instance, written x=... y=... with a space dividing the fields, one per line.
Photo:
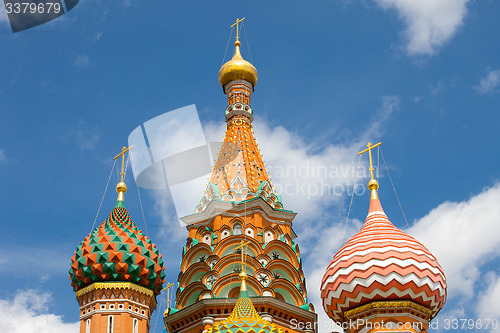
x=117 y=251
x=244 y=319
x=380 y=263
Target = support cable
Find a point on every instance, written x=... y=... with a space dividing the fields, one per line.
x=248 y=45
x=227 y=46
x=394 y=188
x=142 y=210
x=350 y=205
x=160 y=306
x=103 y=195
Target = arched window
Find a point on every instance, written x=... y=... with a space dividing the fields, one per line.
x=280 y=297
x=234 y=292
x=268 y=236
x=207 y=238
x=249 y=232
x=87 y=327
x=237 y=229
x=110 y=324
x=135 y=326
x=225 y=233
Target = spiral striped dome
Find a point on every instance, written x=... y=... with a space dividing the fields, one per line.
x=117 y=251
x=382 y=263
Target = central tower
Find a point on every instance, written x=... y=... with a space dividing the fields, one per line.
x=239 y=206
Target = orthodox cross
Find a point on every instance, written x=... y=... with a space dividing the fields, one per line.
x=169 y=285
x=122 y=154
x=369 y=150
x=242 y=247
x=237 y=24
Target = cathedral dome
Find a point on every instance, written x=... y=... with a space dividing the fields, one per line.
x=244 y=318
x=237 y=69
x=117 y=251
x=382 y=263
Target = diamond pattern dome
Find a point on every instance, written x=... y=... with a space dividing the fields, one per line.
x=117 y=251
x=244 y=319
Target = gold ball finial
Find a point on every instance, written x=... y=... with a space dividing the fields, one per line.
x=237 y=43
x=243 y=277
x=121 y=187
x=373 y=184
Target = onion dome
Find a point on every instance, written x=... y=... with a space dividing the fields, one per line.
x=382 y=263
x=117 y=251
x=244 y=318
x=237 y=69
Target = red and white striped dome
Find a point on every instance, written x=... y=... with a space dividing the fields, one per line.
x=382 y=263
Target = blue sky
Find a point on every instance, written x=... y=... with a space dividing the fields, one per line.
x=423 y=77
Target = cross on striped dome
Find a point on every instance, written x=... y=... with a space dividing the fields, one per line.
x=382 y=263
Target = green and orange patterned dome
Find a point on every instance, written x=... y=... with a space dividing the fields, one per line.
x=244 y=318
x=117 y=251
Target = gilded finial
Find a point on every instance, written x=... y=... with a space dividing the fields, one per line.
x=121 y=187
x=373 y=183
x=243 y=275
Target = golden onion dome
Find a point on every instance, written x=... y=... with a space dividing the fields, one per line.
x=237 y=69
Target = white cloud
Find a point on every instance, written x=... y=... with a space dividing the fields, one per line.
x=464 y=237
x=165 y=209
x=3 y=158
x=317 y=255
x=313 y=176
x=81 y=60
x=86 y=138
x=27 y=312
x=429 y=23
x=489 y=302
x=489 y=83
x=436 y=88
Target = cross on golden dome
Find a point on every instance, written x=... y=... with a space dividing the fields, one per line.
x=373 y=183
x=237 y=68
x=237 y=24
x=121 y=187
